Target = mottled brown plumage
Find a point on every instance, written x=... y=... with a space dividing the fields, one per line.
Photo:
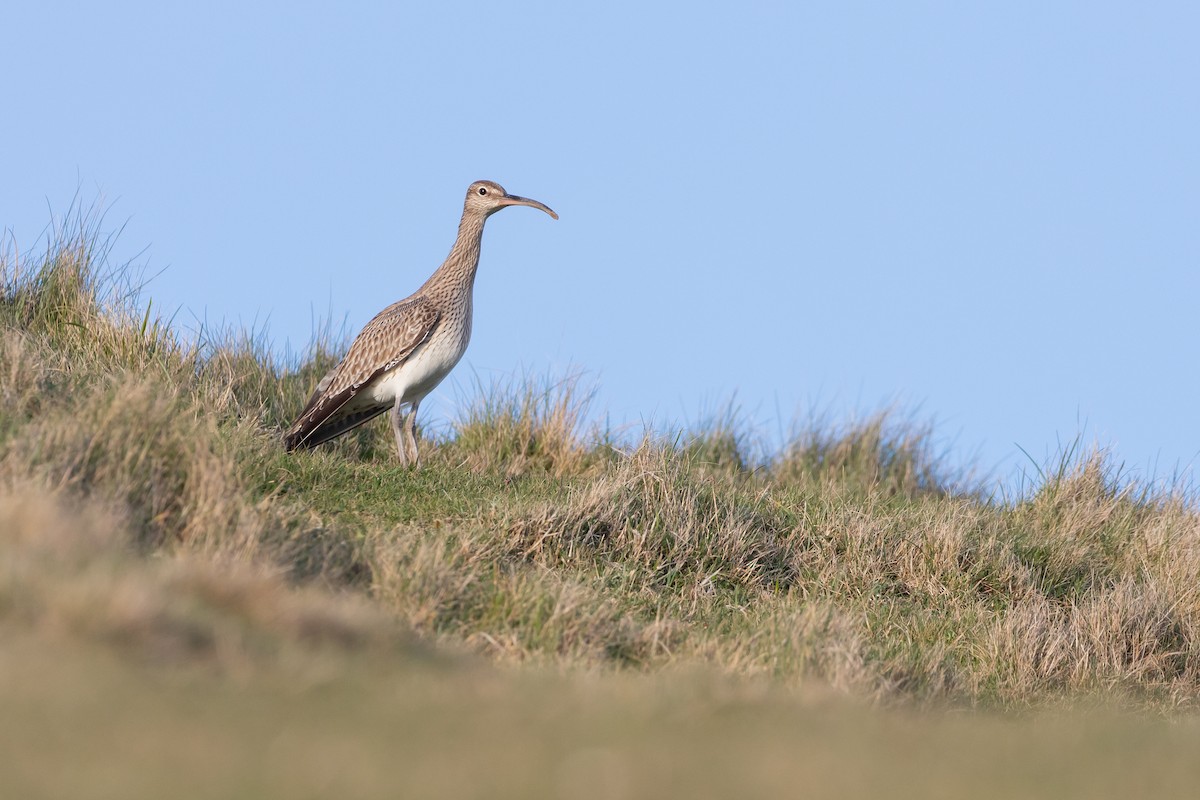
x=410 y=346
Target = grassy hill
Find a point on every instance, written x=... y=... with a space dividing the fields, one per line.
x=541 y=610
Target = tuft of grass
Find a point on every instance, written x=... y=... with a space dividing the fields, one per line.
x=73 y=301
x=652 y=510
x=878 y=454
x=144 y=446
x=516 y=427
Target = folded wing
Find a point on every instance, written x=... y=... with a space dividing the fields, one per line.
x=339 y=403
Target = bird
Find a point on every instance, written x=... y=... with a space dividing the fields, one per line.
x=410 y=346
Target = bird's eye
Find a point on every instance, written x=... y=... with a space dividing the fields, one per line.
x=483 y=190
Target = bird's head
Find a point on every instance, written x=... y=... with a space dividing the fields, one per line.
x=486 y=198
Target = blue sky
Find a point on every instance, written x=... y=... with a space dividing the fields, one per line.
x=985 y=214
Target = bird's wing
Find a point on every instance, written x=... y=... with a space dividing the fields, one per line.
x=385 y=343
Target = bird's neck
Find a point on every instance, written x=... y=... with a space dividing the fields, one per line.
x=457 y=272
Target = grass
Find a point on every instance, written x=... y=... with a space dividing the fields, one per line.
x=568 y=609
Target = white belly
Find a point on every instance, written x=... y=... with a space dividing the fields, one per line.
x=425 y=369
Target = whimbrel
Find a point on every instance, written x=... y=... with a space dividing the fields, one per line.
x=410 y=346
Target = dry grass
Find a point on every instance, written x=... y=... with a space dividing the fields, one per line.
x=520 y=427
x=68 y=575
x=855 y=557
x=881 y=454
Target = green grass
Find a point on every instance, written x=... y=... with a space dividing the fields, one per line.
x=543 y=609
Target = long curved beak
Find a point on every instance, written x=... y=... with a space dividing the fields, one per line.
x=517 y=200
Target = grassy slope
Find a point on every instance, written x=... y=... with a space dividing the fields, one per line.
x=537 y=598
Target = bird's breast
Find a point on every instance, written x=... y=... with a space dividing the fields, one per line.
x=426 y=367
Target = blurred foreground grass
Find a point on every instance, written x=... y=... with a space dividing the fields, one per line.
x=81 y=723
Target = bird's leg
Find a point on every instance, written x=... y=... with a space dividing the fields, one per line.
x=397 y=420
x=412 y=435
